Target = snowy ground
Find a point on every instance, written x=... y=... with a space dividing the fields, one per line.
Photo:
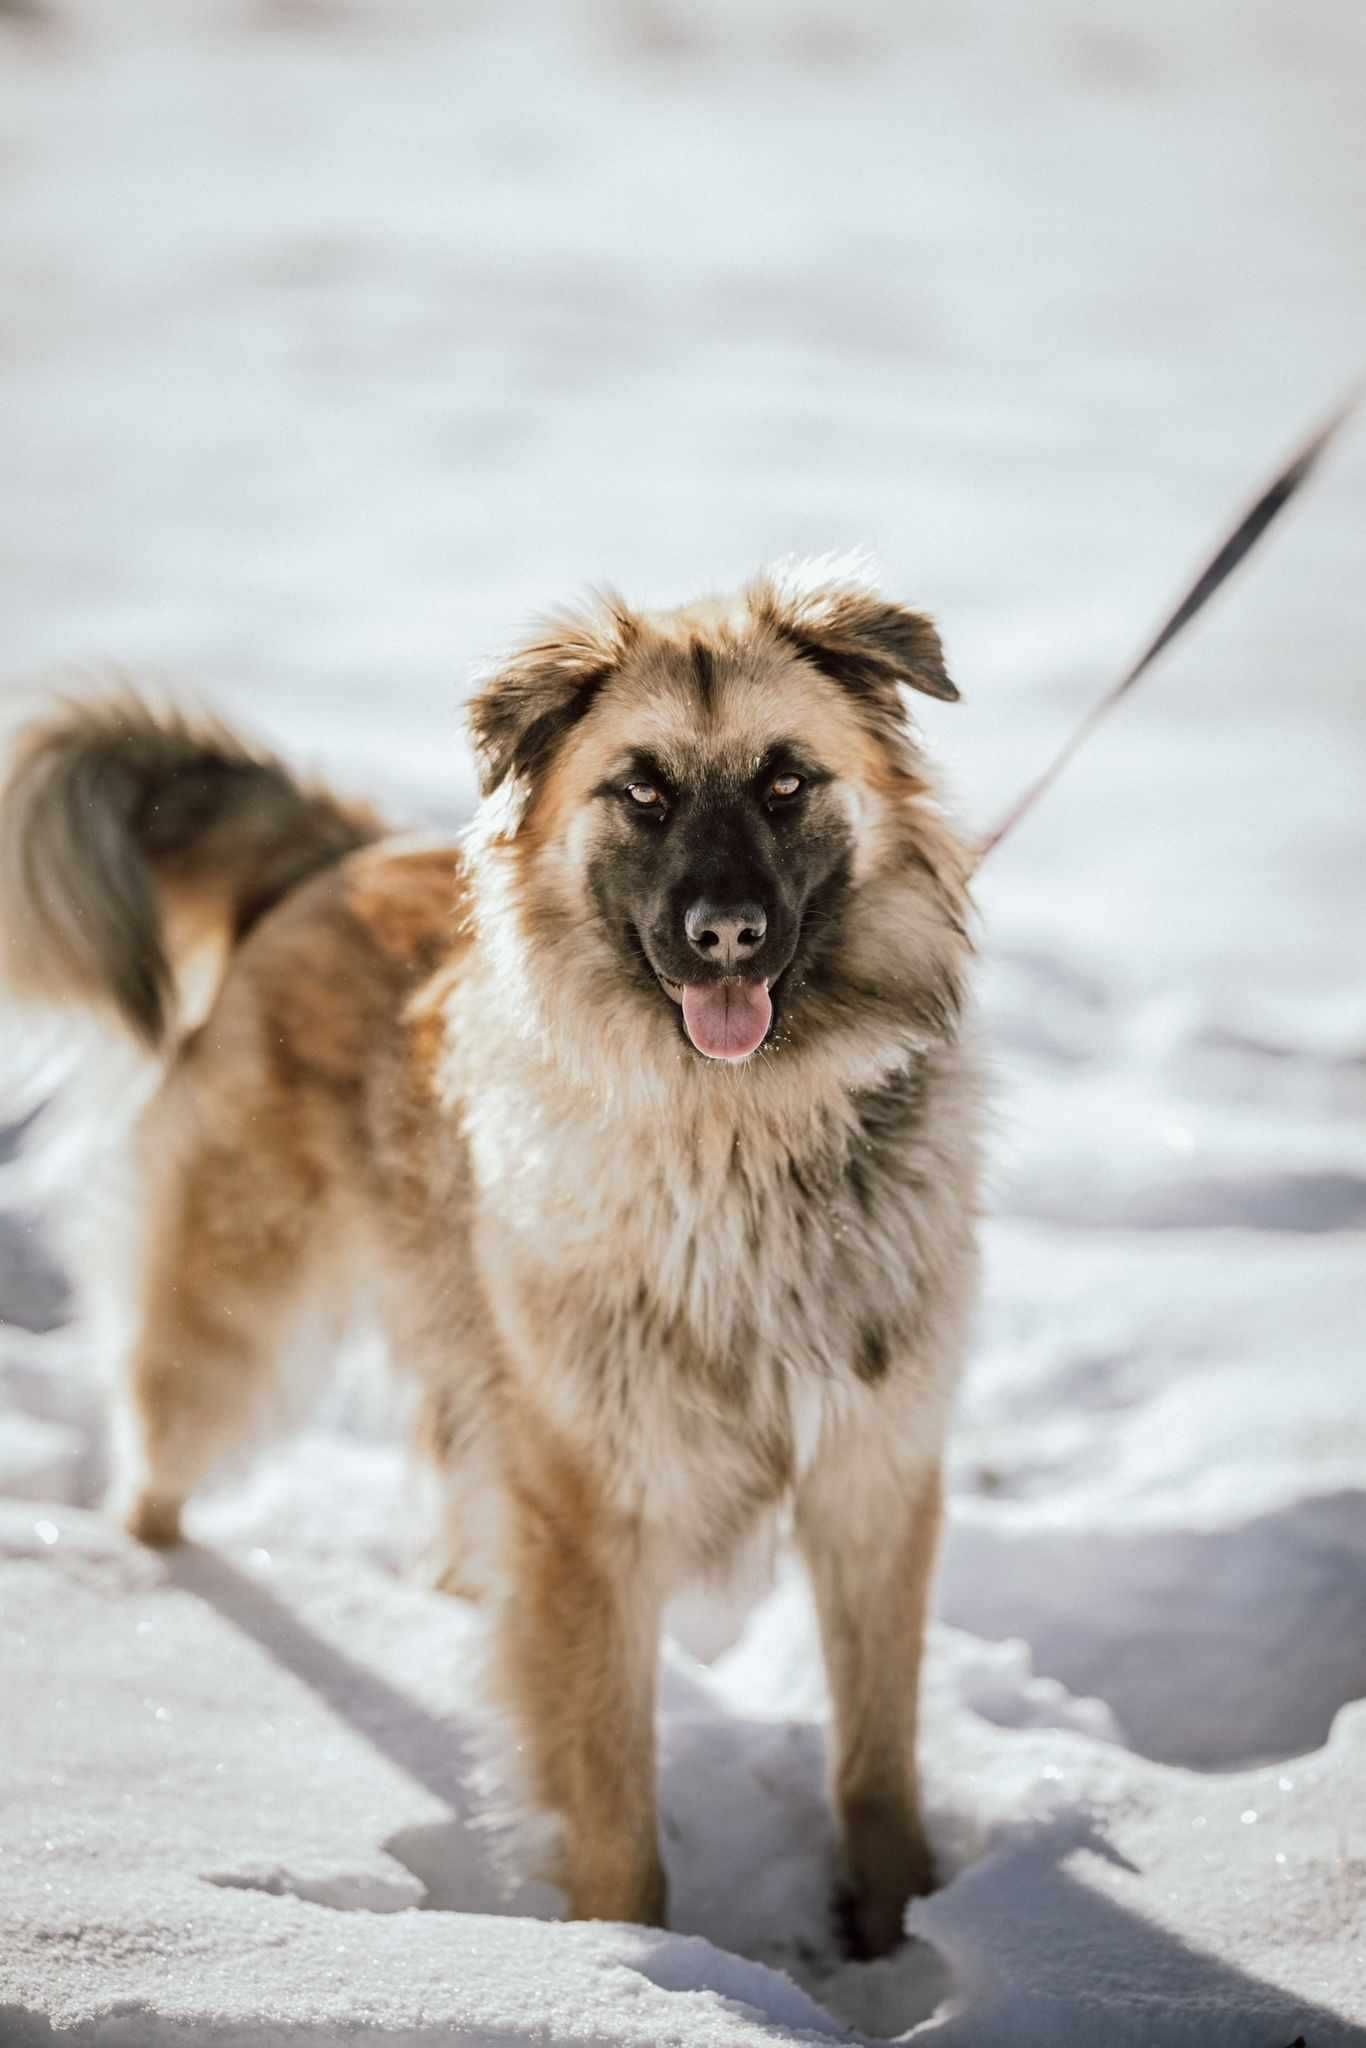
x=337 y=338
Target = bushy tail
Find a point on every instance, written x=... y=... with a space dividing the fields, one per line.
x=126 y=832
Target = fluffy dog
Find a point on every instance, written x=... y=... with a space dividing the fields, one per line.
x=645 y=1108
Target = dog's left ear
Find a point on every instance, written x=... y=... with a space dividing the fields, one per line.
x=528 y=703
x=834 y=617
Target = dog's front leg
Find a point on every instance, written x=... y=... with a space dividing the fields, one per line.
x=868 y=1524
x=575 y=1657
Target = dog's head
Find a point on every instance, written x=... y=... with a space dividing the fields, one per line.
x=718 y=823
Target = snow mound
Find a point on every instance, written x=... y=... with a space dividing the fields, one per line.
x=239 y=1800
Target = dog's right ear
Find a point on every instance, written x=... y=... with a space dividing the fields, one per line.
x=527 y=704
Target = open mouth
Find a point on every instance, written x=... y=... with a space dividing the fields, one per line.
x=725 y=1020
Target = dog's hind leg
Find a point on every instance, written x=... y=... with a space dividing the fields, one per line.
x=221 y=1275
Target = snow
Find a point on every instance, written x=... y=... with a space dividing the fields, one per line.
x=340 y=337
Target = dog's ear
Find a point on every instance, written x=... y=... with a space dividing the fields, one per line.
x=526 y=704
x=832 y=614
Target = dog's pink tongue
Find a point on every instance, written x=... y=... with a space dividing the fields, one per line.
x=727 y=1019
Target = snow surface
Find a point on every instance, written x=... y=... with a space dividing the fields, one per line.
x=337 y=339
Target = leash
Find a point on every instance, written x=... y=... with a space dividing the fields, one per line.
x=1240 y=542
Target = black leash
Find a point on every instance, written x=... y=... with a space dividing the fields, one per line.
x=1240 y=542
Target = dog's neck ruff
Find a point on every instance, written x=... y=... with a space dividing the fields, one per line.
x=645 y=1091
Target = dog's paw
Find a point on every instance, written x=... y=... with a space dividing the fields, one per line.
x=870 y=1910
x=865 y=1928
x=154 y=1519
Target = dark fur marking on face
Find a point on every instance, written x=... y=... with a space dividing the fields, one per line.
x=602 y=883
x=703 y=671
x=718 y=842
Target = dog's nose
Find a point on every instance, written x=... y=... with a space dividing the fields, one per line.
x=725 y=934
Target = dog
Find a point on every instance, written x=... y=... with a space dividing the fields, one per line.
x=648 y=1107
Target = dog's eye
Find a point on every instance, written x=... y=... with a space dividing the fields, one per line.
x=645 y=795
x=783 y=786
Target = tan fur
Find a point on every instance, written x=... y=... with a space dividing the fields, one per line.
x=648 y=1300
